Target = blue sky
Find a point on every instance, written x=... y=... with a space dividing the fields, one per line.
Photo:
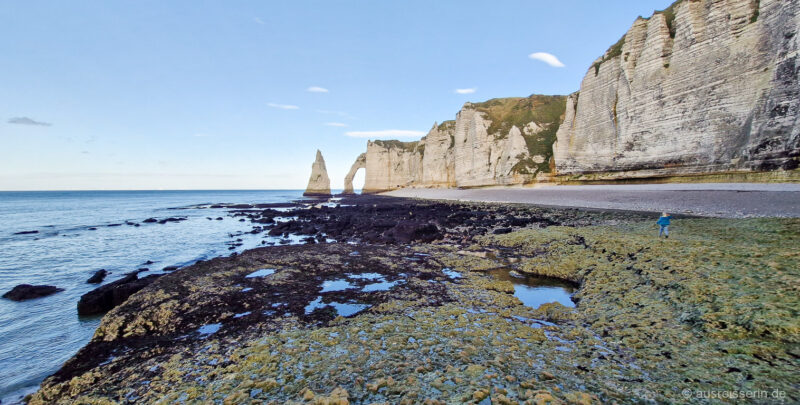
x=239 y=95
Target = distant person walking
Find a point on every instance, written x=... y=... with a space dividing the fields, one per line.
x=663 y=221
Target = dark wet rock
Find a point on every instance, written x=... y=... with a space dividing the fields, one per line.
x=104 y=298
x=110 y=225
x=170 y=268
x=412 y=231
x=98 y=277
x=147 y=263
x=150 y=220
x=91 y=229
x=24 y=292
x=501 y=231
x=26 y=232
x=171 y=219
x=386 y=220
x=137 y=271
x=219 y=218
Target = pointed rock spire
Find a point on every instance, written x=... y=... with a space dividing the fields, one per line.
x=319 y=185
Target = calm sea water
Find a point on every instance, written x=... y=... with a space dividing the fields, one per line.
x=39 y=335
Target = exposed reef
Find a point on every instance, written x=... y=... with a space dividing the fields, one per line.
x=25 y=292
x=423 y=320
x=108 y=296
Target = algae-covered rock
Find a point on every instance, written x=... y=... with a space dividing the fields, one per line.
x=713 y=306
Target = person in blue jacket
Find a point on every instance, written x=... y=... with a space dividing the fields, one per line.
x=663 y=221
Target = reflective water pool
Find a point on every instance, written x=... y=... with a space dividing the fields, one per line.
x=534 y=291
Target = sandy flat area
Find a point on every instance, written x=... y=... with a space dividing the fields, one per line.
x=730 y=200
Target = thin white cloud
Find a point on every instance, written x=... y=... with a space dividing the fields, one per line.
x=317 y=89
x=283 y=106
x=547 y=58
x=335 y=124
x=386 y=133
x=466 y=91
x=339 y=113
x=258 y=21
x=28 y=121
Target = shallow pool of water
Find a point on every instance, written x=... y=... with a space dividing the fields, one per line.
x=336 y=285
x=534 y=291
x=342 y=308
x=260 y=273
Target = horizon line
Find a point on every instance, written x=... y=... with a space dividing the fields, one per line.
x=176 y=189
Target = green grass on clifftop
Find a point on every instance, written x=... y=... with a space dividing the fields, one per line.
x=405 y=146
x=546 y=111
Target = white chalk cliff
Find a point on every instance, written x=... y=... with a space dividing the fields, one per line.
x=318 y=184
x=501 y=141
x=704 y=86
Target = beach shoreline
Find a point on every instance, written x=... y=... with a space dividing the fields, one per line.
x=723 y=200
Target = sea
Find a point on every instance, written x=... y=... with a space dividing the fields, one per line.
x=80 y=232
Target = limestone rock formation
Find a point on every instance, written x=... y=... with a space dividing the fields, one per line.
x=704 y=86
x=360 y=163
x=319 y=185
x=501 y=141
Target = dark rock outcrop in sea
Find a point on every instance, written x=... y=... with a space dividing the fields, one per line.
x=24 y=292
x=104 y=298
x=98 y=277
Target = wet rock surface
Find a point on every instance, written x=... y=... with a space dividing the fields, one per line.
x=97 y=277
x=389 y=314
x=25 y=292
x=105 y=297
x=388 y=220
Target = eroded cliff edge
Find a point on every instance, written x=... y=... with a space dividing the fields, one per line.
x=704 y=86
x=501 y=141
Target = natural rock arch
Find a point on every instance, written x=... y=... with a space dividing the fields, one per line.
x=361 y=162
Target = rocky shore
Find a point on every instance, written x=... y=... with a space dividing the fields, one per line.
x=393 y=300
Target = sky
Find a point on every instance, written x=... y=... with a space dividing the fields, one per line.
x=200 y=94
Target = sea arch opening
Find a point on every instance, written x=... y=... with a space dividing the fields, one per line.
x=356 y=175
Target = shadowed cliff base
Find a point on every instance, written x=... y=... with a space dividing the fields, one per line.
x=410 y=318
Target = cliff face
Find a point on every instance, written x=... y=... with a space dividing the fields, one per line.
x=704 y=86
x=501 y=141
x=318 y=183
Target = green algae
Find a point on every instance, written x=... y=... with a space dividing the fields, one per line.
x=714 y=307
